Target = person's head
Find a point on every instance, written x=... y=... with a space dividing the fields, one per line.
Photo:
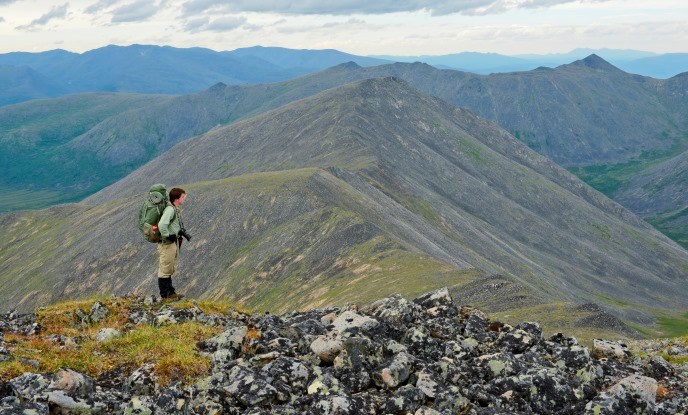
x=177 y=196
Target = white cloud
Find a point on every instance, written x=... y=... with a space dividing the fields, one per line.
x=221 y=24
x=140 y=10
x=57 y=12
x=99 y=6
x=347 y=7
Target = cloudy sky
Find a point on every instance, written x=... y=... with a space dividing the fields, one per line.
x=363 y=27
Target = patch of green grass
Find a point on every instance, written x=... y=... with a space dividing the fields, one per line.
x=171 y=348
x=674 y=326
x=612 y=302
x=609 y=178
x=667 y=224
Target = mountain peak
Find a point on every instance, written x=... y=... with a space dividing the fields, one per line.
x=595 y=62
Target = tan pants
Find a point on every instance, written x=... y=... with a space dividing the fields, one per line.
x=168 y=259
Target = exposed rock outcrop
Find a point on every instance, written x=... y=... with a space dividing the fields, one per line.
x=395 y=356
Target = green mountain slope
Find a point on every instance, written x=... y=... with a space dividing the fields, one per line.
x=34 y=147
x=456 y=187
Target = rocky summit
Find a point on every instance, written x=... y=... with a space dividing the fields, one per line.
x=394 y=356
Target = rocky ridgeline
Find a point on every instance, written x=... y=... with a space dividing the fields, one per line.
x=395 y=356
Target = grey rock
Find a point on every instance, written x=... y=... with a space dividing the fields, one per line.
x=406 y=399
x=232 y=338
x=337 y=405
x=142 y=381
x=325 y=383
x=61 y=403
x=108 y=333
x=394 y=373
x=349 y=320
x=98 y=312
x=11 y=405
x=289 y=371
x=395 y=310
x=326 y=347
x=427 y=383
x=609 y=349
x=73 y=383
x=248 y=388
x=172 y=400
x=139 y=405
x=656 y=367
x=30 y=387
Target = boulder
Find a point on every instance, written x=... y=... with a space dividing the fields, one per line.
x=73 y=383
x=609 y=349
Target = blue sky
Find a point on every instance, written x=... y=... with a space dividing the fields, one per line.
x=363 y=27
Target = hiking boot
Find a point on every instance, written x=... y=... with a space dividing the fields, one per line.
x=173 y=297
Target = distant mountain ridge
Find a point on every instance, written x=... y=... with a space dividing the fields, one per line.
x=650 y=64
x=151 y=69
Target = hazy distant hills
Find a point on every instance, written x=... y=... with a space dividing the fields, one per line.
x=368 y=188
x=21 y=83
x=636 y=62
x=162 y=69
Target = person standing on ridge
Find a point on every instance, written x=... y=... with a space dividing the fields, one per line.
x=171 y=230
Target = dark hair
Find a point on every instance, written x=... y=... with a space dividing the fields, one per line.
x=176 y=193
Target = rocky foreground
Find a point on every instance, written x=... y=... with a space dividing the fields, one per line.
x=425 y=356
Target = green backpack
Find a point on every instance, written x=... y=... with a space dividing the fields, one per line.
x=151 y=210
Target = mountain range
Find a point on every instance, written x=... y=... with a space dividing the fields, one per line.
x=606 y=125
x=151 y=69
x=650 y=64
x=358 y=191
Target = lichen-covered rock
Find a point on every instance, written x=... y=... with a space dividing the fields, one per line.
x=142 y=381
x=11 y=405
x=350 y=320
x=139 y=405
x=327 y=346
x=249 y=388
x=516 y=341
x=395 y=310
x=290 y=372
x=609 y=349
x=338 y=405
x=108 y=333
x=60 y=403
x=173 y=400
x=168 y=315
x=394 y=373
x=98 y=312
x=406 y=399
x=232 y=338
x=438 y=303
x=73 y=383
x=30 y=387
x=423 y=357
x=324 y=383
x=658 y=368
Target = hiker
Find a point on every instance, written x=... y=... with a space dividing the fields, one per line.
x=171 y=232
